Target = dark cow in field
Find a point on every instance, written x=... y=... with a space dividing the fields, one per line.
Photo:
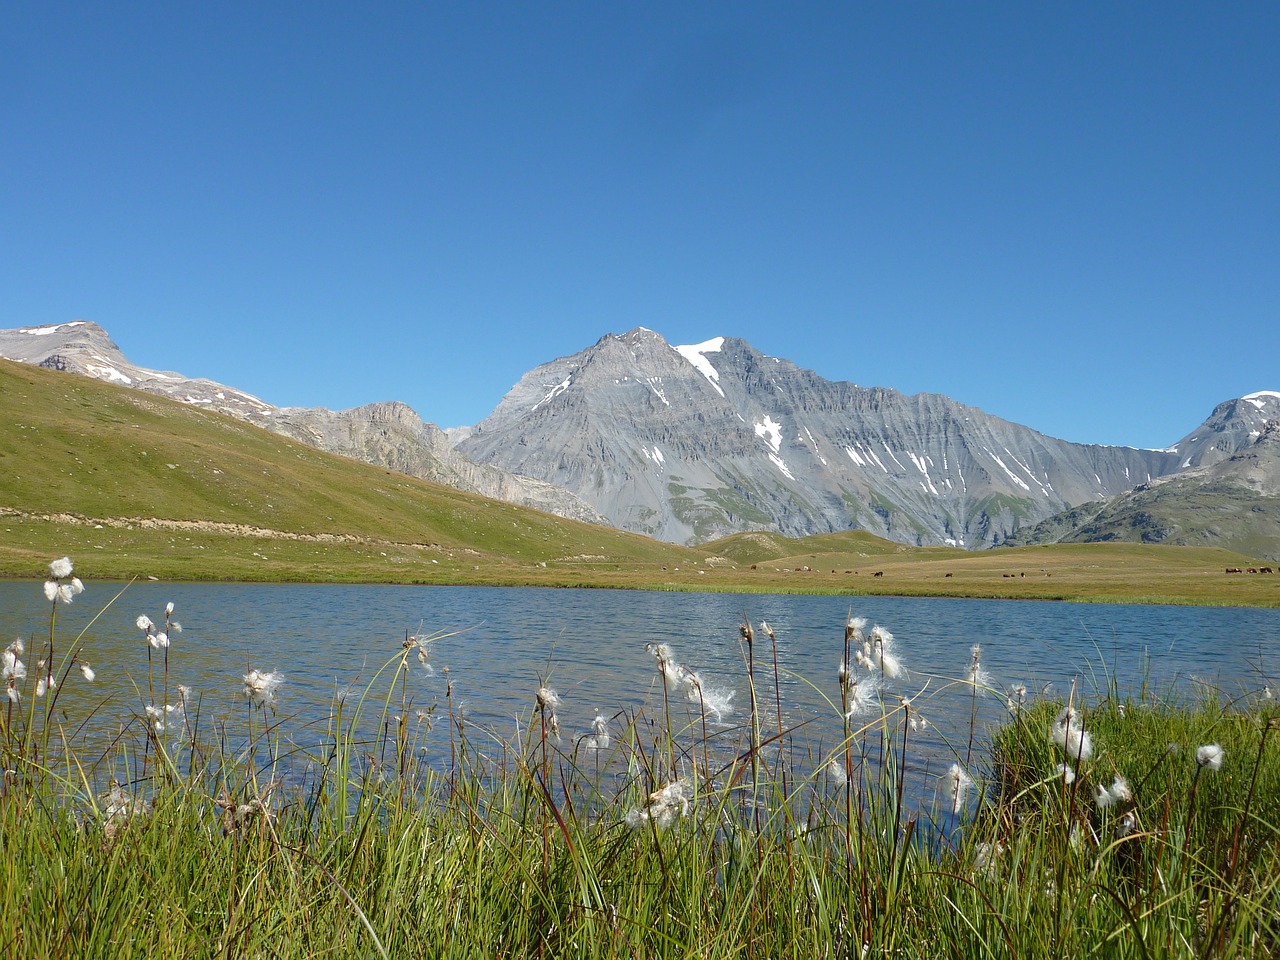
x=1234 y=570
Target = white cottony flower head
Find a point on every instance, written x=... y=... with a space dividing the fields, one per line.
x=260 y=688
x=87 y=671
x=158 y=641
x=718 y=703
x=51 y=590
x=168 y=609
x=664 y=806
x=60 y=569
x=861 y=695
x=14 y=669
x=548 y=698
x=958 y=783
x=144 y=622
x=1118 y=792
x=1066 y=773
x=599 y=738
x=1210 y=756
x=1071 y=737
x=836 y=772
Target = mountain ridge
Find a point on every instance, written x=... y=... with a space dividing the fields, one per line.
x=691 y=442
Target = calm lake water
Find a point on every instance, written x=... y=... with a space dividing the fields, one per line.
x=590 y=646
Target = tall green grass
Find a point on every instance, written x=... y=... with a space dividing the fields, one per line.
x=666 y=831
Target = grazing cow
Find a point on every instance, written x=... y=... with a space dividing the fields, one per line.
x=1252 y=570
x=878 y=573
x=1265 y=570
x=1234 y=570
x=947 y=574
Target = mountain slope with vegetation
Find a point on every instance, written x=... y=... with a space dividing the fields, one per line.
x=117 y=474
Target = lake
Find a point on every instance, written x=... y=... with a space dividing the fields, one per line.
x=590 y=646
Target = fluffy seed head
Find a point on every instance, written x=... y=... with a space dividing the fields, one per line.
x=60 y=568
x=1210 y=756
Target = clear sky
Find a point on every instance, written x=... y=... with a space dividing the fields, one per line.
x=1065 y=214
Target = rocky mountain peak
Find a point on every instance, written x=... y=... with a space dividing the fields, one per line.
x=693 y=441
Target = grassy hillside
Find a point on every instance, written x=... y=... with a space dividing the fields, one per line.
x=130 y=484
x=136 y=484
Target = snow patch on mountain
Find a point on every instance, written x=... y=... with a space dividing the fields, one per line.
x=770 y=431
x=696 y=355
x=558 y=389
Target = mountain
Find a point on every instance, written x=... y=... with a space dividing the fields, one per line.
x=386 y=434
x=1232 y=427
x=1231 y=501
x=689 y=443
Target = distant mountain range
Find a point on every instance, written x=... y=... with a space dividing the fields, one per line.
x=688 y=443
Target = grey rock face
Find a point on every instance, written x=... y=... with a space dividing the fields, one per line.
x=387 y=434
x=1232 y=427
x=691 y=443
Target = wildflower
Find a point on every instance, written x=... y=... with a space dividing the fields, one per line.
x=986 y=856
x=157 y=715
x=712 y=700
x=1068 y=774
x=1120 y=791
x=664 y=806
x=853 y=629
x=46 y=683
x=1127 y=825
x=599 y=738
x=13 y=670
x=860 y=695
x=120 y=807
x=548 y=700
x=235 y=816
x=836 y=772
x=1017 y=698
x=1071 y=737
x=958 y=783
x=168 y=609
x=61 y=585
x=260 y=688
x=87 y=672
x=158 y=641
x=882 y=653
x=918 y=723
x=974 y=675
x=144 y=622
x=1210 y=756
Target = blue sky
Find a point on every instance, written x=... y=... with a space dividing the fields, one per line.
x=1067 y=215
